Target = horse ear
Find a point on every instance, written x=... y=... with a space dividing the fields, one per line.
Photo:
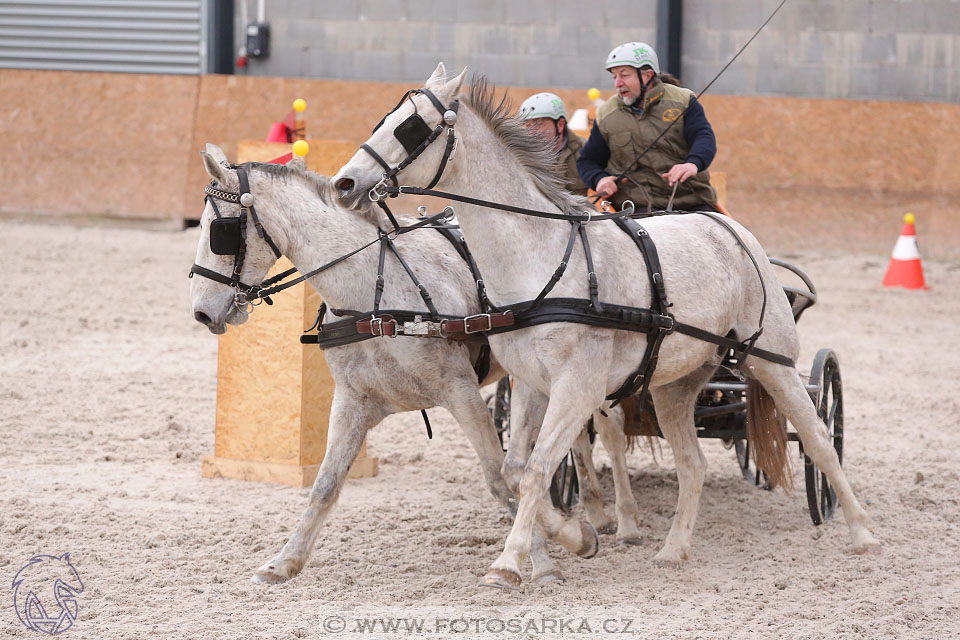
x=454 y=85
x=297 y=163
x=439 y=75
x=217 y=153
x=216 y=170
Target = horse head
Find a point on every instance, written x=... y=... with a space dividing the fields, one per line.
x=235 y=250
x=416 y=140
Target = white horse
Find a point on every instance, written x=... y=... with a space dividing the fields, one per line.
x=378 y=377
x=710 y=280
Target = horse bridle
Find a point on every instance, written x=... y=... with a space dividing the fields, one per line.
x=228 y=237
x=415 y=136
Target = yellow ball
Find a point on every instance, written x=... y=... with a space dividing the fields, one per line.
x=300 y=148
x=909 y=218
x=299 y=104
x=593 y=94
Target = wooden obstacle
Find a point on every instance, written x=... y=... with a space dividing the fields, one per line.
x=274 y=394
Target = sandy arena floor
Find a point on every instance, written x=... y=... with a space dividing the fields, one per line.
x=107 y=387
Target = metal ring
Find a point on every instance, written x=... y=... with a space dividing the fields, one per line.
x=375 y=194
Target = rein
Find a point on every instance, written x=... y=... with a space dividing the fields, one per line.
x=228 y=237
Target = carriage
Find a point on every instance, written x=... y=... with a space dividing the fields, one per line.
x=721 y=414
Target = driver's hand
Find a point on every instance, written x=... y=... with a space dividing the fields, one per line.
x=678 y=173
x=607 y=186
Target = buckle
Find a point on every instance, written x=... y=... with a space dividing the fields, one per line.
x=466 y=323
x=665 y=323
x=416 y=328
x=376 y=327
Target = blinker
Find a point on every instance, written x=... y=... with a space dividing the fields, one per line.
x=225 y=236
x=412 y=132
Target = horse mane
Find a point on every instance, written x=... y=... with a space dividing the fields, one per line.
x=321 y=184
x=532 y=152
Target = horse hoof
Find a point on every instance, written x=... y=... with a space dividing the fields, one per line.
x=667 y=563
x=667 y=560
x=869 y=549
x=591 y=541
x=554 y=575
x=274 y=573
x=264 y=576
x=633 y=541
x=608 y=529
x=501 y=579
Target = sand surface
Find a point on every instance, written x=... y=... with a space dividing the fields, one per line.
x=107 y=389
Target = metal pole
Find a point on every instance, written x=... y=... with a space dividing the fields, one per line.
x=220 y=45
x=669 y=35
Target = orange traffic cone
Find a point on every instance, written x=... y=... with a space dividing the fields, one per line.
x=905 y=269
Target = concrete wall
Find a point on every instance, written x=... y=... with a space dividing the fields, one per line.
x=557 y=43
x=860 y=49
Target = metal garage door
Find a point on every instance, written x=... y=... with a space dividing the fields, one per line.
x=147 y=36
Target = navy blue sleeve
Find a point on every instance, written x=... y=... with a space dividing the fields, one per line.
x=699 y=136
x=593 y=158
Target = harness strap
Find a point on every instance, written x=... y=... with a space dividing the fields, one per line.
x=424 y=294
x=742 y=349
x=591 y=272
x=245 y=188
x=378 y=289
x=242 y=251
x=558 y=273
x=451 y=141
x=639 y=380
x=383 y=163
x=219 y=277
x=418 y=191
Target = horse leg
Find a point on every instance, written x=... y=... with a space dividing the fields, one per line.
x=474 y=418
x=527 y=409
x=791 y=397
x=351 y=416
x=675 y=404
x=591 y=496
x=610 y=430
x=566 y=413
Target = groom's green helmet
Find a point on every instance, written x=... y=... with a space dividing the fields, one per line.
x=633 y=54
x=542 y=105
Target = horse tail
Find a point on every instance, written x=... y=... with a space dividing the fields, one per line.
x=767 y=435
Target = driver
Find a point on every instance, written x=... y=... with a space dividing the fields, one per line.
x=545 y=115
x=645 y=105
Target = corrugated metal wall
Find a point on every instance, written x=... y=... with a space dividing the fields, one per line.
x=146 y=36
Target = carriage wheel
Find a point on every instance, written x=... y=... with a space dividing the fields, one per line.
x=565 y=486
x=747 y=467
x=501 y=410
x=825 y=373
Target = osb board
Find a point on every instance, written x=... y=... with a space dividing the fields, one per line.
x=259 y=370
x=324 y=157
x=107 y=144
x=316 y=384
x=801 y=172
x=805 y=173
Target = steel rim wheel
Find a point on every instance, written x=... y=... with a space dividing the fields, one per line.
x=821 y=497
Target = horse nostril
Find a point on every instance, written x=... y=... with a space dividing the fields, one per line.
x=344 y=184
x=202 y=318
